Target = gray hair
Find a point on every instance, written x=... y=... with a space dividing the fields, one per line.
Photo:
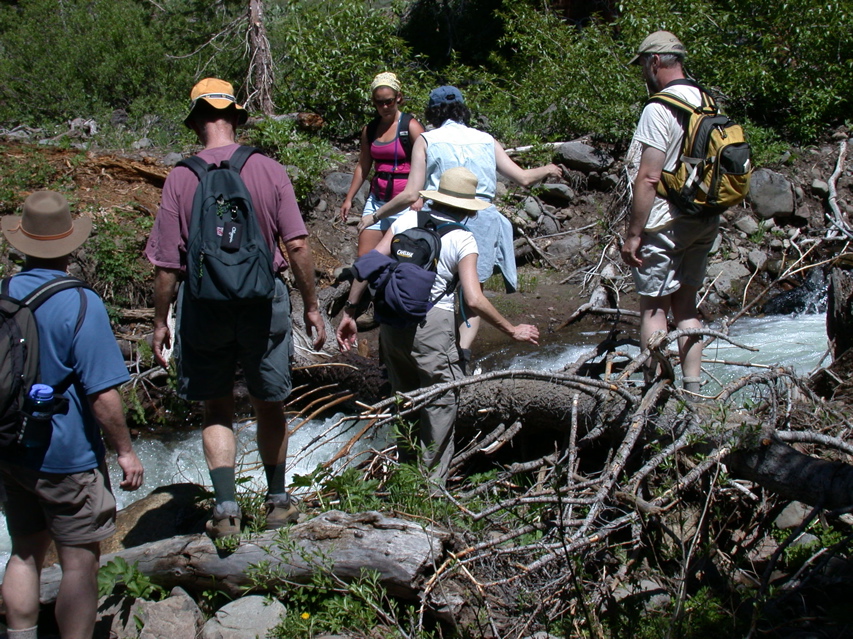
x=667 y=60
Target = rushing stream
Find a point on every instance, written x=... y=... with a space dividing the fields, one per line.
x=799 y=342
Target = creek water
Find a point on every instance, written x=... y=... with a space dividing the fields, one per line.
x=795 y=341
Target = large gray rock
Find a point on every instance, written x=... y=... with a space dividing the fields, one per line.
x=747 y=225
x=338 y=183
x=559 y=192
x=532 y=207
x=771 y=194
x=245 y=618
x=176 y=616
x=570 y=246
x=584 y=157
x=730 y=272
x=757 y=259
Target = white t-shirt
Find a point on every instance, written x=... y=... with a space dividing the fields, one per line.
x=457 y=244
x=659 y=128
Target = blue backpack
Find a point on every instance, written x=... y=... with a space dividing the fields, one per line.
x=228 y=259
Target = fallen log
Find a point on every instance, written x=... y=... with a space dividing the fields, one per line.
x=400 y=551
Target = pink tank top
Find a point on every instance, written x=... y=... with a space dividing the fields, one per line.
x=389 y=158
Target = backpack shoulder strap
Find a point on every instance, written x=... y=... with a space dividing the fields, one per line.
x=40 y=295
x=403 y=134
x=196 y=165
x=239 y=157
x=372 y=128
x=425 y=219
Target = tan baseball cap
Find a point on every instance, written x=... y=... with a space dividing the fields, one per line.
x=659 y=42
x=217 y=93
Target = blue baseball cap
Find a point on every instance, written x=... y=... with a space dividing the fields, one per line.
x=444 y=95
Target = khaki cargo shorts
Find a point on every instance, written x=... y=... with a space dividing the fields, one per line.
x=75 y=509
x=675 y=255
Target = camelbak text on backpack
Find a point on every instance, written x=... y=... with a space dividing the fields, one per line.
x=714 y=169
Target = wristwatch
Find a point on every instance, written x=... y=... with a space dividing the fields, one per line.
x=350 y=306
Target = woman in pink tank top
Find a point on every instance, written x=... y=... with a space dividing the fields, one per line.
x=386 y=144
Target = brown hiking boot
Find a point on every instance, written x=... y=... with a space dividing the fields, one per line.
x=281 y=510
x=225 y=521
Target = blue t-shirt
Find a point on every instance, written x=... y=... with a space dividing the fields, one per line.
x=92 y=354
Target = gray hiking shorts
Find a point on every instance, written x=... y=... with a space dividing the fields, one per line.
x=676 y=254
x=213 y=339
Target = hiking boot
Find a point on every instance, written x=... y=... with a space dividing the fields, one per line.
x=225 y=521
x=281 y=510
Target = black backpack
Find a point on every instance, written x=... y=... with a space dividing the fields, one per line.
x=420 y=246
x=228 y=259
x=19 y=350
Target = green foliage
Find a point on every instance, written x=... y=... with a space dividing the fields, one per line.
x=120 y=577
x=307 y=157
x=326 y=54
x=26 y=169
x=115 y=266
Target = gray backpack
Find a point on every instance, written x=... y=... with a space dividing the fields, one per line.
x=228 y=259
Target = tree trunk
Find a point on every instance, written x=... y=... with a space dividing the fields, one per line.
x=260 y=80
x=839 y=312
x=400 y=551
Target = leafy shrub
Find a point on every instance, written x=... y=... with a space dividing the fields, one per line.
x=326 y=54
x=119 y=576
x=307 y=157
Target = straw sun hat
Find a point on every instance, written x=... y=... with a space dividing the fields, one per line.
x=457 y=187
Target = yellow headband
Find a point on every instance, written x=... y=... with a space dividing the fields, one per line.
x=386 y=79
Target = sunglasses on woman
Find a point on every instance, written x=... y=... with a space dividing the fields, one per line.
x=386 y=103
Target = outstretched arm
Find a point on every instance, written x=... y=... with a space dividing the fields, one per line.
x=478 y=302
x=302 y=265
x=359 y=175
x=525 y=177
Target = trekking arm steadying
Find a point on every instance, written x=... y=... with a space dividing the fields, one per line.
x=359 y=175
x=525 y=177
x=165 y=288
x=302 y=264
x=478 y=302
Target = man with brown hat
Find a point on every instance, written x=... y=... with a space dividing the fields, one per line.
x=59 y=488
x=666 y=249
x=214 y=337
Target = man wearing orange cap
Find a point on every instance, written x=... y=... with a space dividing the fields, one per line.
x=666 y=249
x=57 y=485
x=213 y=338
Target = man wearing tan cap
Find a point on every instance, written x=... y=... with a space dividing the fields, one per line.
x=213 y=338
x=57 y=486
x=666 y=249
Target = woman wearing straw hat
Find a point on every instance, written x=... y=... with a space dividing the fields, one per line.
x=386 y=142
x=423 y=354
x=453 y=143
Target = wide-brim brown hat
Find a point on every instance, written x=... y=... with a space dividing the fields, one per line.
x=217 y=93
x=457 y=187
x=46 y=229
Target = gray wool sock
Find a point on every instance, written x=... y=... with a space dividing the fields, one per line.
x=26 y=633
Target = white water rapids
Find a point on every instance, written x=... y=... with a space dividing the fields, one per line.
x=799 y=342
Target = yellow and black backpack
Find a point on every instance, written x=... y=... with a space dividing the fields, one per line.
x=714 y=169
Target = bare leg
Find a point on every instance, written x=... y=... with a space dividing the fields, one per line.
x=77 y=600
x=653 y=312
x=272 y=431
x=689 y=348
x=220 y=445
x=21 y=583
x=367 y=241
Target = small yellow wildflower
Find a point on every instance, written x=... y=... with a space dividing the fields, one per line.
x=306 y=615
